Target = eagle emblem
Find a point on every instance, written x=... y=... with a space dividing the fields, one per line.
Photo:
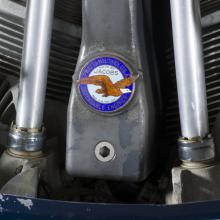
x=106 y=84
x=108 y=88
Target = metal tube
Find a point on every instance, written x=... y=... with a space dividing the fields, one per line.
x=190 y=72
x=34 y=67
x=196 y=147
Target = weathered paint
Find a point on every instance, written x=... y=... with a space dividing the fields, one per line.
x=11 y=208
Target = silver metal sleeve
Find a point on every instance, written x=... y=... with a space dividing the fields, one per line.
x=186 y=22
x=34 y=68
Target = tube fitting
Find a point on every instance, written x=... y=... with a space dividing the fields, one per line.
x=197 y=150
x=28 y=140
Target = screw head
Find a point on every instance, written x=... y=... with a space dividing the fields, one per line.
x=104 y=151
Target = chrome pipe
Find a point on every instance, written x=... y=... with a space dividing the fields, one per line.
x=190 y=74
x=186 y=23
x=27 y=134
x=34 y=67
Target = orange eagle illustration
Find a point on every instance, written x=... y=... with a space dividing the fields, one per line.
x=108 y=88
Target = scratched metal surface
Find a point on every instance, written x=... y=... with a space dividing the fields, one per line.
x=12 y=207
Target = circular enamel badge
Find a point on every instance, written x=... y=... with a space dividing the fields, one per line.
x=106 y=84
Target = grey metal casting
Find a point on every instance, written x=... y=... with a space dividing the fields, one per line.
x=190 y=73
x=115 y=29
x=34 y=68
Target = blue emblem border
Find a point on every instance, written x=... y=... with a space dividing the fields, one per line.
x=110 y=107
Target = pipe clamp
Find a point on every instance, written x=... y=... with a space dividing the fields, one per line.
x=29 y=140
x=197 y=150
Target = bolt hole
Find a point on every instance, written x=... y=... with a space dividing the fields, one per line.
x=104 y=151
